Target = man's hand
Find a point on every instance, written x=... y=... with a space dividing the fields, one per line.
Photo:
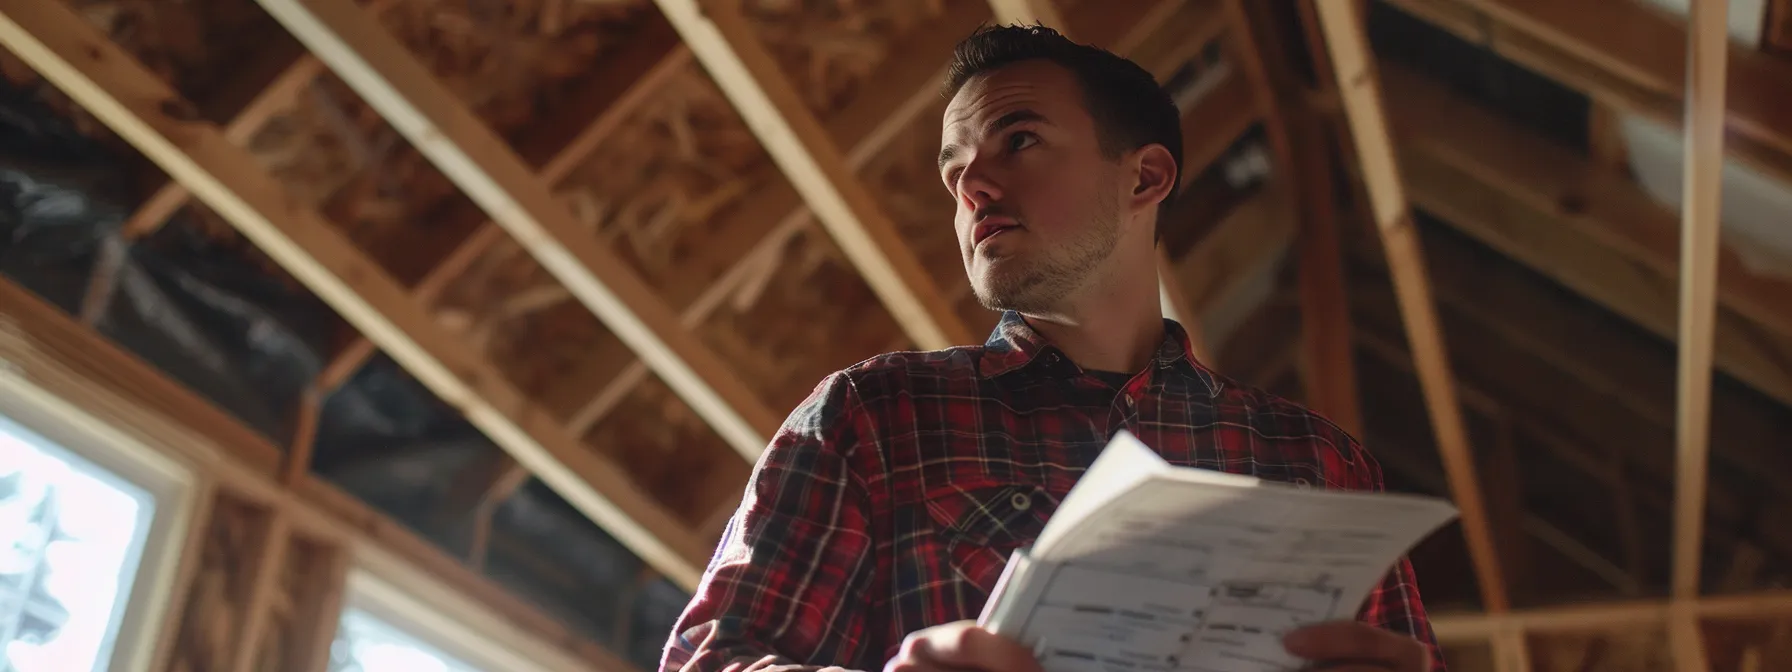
x=1353 y=646
x=961 y=647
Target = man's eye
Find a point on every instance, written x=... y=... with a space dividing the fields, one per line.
x=1021 y=140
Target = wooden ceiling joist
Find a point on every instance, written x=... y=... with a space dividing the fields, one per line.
x=1702 y=195
x=1609 y=617
x=1612 y=51
x=1301 y=150
x=137 y=105
x=1627 y=39
x=1347 y=45
x=1707 y=51
x=739 y=63
x=443 y=128
x=601 y=106
x=1563 y=214
x=909 y=85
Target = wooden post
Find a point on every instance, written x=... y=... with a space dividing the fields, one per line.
x=1348 y=47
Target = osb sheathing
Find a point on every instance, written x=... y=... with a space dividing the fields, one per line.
x=670 y=452
x=198 y=46
x=659 y=189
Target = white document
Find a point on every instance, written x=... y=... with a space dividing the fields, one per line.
x=1151 y=567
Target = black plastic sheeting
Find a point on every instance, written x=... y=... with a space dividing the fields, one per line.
x=214 y=321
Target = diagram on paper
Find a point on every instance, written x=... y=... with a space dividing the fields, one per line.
x=1105 y=620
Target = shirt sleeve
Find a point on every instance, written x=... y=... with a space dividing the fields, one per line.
x=1395 y=604
x=786 y=588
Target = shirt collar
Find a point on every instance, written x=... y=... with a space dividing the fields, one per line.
x=1014 y=344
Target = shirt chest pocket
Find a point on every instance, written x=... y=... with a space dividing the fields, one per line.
x=981 y=526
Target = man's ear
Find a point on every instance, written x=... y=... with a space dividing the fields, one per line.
x=1157 y=177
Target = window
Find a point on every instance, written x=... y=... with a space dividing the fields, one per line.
x=365 y=643
x=71 y=538
x=92 y=521
x=396 y=619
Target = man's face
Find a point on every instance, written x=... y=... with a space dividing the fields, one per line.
x=1038 y=203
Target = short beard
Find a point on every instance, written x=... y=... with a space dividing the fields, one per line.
x=1042 y=285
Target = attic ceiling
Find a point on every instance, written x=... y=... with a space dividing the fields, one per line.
x=1545 y=182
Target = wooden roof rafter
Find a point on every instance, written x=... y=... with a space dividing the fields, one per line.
x=626 y=81
x=739 y=63
x=1707 y=51
x=136 y=104
x=394 y=82
x=50 y=353
x=1301 y=148
x=1555 y=211
x=1353 y=67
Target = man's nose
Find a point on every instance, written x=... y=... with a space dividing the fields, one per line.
x=977 y=189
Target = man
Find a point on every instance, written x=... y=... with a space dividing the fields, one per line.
x=885 y=508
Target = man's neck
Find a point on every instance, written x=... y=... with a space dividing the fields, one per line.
x=1110 y=331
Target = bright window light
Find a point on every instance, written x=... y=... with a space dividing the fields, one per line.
x=71 y=537
x=366 y=644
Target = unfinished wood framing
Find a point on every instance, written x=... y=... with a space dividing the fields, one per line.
x=1624 y=59
x=767 y=221
x=1566 y=216
x=798 y=143
x=625 y=83
x=136 y=104
x=72 y=373
x=350 y=40
x=1702 y=186
x=1347 y=46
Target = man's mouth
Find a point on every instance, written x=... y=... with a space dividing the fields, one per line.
x=991 y=227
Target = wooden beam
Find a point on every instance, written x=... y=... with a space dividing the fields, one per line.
x=1347 y=45
x=1510 y=653
x=1626 y=39
x=1608 y=617
x=1506 y=509
x=248 y=119
x=1214 y=123
x=1701 y=195
x=652 y=56
x=1560 y=212
x=135 y=103
x=765 y=223
x=71 y=372
x=444 y=129
x=1526 y=527
x=1302 y=153
x=1254 y=233
x=1624 y=68
x=1684 y=640
x=725 y=43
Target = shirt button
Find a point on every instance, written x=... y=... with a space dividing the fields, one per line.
x=1021 y=501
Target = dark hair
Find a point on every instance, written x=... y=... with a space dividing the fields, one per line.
x=1130 y=109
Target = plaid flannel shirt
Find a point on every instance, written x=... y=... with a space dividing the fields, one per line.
x=891 y=498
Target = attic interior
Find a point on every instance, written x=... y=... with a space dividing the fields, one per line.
x=469 y=326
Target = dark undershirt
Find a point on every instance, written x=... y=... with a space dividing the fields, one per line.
x=1110 y=378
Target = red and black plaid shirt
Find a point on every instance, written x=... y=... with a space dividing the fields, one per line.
x=890 y=499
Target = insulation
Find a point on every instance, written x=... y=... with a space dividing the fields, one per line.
x=190 y=304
